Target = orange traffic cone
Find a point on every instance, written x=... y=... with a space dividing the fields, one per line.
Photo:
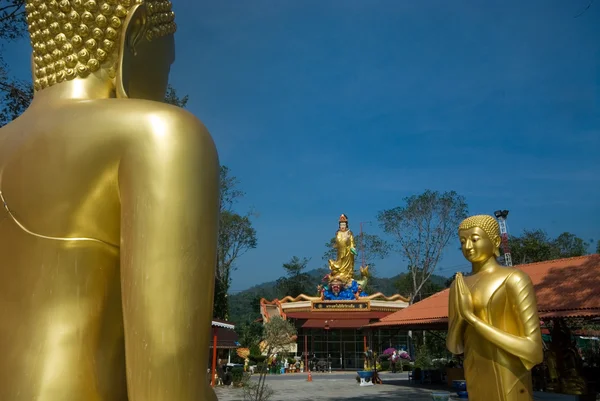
x=309 y=379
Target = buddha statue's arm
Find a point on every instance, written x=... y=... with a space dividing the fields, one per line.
x=454 y=339
x=169 y=189
x=528 y=345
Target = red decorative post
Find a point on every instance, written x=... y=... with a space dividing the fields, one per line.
x=214 y=358
x=306 y=352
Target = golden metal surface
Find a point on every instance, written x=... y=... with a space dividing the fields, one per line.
x=493 y=319
x=342 y=269
x=108 y=230
x=72 y=38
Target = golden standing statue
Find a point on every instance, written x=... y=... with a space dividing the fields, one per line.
x=343 y=267
x=493 y=319
x=110 y=213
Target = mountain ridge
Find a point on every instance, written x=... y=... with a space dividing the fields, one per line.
x=244 y=305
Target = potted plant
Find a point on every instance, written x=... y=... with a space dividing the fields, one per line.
x=366 y=375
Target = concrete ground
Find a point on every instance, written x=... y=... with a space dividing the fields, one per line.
x=337 y=386
x=343 y=386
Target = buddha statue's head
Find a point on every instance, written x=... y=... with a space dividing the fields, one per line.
x=343 y=223
x=479 y=238
x=127 y=44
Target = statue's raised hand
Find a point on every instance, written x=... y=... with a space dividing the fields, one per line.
x=465 y=299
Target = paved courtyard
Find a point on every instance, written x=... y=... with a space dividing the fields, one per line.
x=343 y=386
x=336 y=386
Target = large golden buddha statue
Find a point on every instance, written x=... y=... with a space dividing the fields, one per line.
x=109 y=218
x=493 y=319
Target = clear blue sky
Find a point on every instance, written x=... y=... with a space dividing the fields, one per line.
x=328 y=107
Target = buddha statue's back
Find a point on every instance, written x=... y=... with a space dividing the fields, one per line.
x=108 y=233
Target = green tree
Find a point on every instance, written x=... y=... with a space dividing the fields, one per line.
x=435 y=341
x=171 y=97
x=236 y=237
x=297 y=281
x=422 y=229
x=249 y=333
x=15 y=94
x=569 y=245
x=536 y=246
x=12 y=19
x=404 y=286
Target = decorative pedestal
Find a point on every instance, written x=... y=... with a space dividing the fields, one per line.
x=366 y=377
x=461 y=388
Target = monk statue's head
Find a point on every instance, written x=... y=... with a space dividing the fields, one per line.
x=126 y=44
x=479 y=238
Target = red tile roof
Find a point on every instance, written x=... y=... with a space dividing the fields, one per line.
x=564 y=288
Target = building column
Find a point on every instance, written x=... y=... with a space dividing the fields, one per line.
x=214 y=358
x=306 y=351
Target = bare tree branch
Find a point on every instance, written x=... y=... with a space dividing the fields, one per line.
x=585 y=9
x=422 y=229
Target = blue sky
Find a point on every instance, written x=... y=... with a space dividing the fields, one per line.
x=328 y=107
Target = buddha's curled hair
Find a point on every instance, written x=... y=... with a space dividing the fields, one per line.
x=72 y=38
x=486 y=222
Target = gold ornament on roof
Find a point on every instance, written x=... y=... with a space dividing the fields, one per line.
x=73 y=38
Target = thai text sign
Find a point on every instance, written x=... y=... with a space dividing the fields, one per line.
x=330 y=306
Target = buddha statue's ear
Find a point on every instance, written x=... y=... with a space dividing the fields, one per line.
x=496 y=241
x=134 y=29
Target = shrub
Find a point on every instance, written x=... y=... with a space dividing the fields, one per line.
x=237 y=375
x=257 y=358
x=255 y=350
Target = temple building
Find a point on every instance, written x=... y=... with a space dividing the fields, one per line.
x=337 y=331
x=333 y=326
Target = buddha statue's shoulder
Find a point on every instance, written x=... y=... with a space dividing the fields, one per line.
x=516 y=278
x=128 y=120
x=507 y=274
x=141 y=114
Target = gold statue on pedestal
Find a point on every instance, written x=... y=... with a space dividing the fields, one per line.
x=109 y=218
x=493 y=319
x=342 y=269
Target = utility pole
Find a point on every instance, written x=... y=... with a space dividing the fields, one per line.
x=501 y=215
